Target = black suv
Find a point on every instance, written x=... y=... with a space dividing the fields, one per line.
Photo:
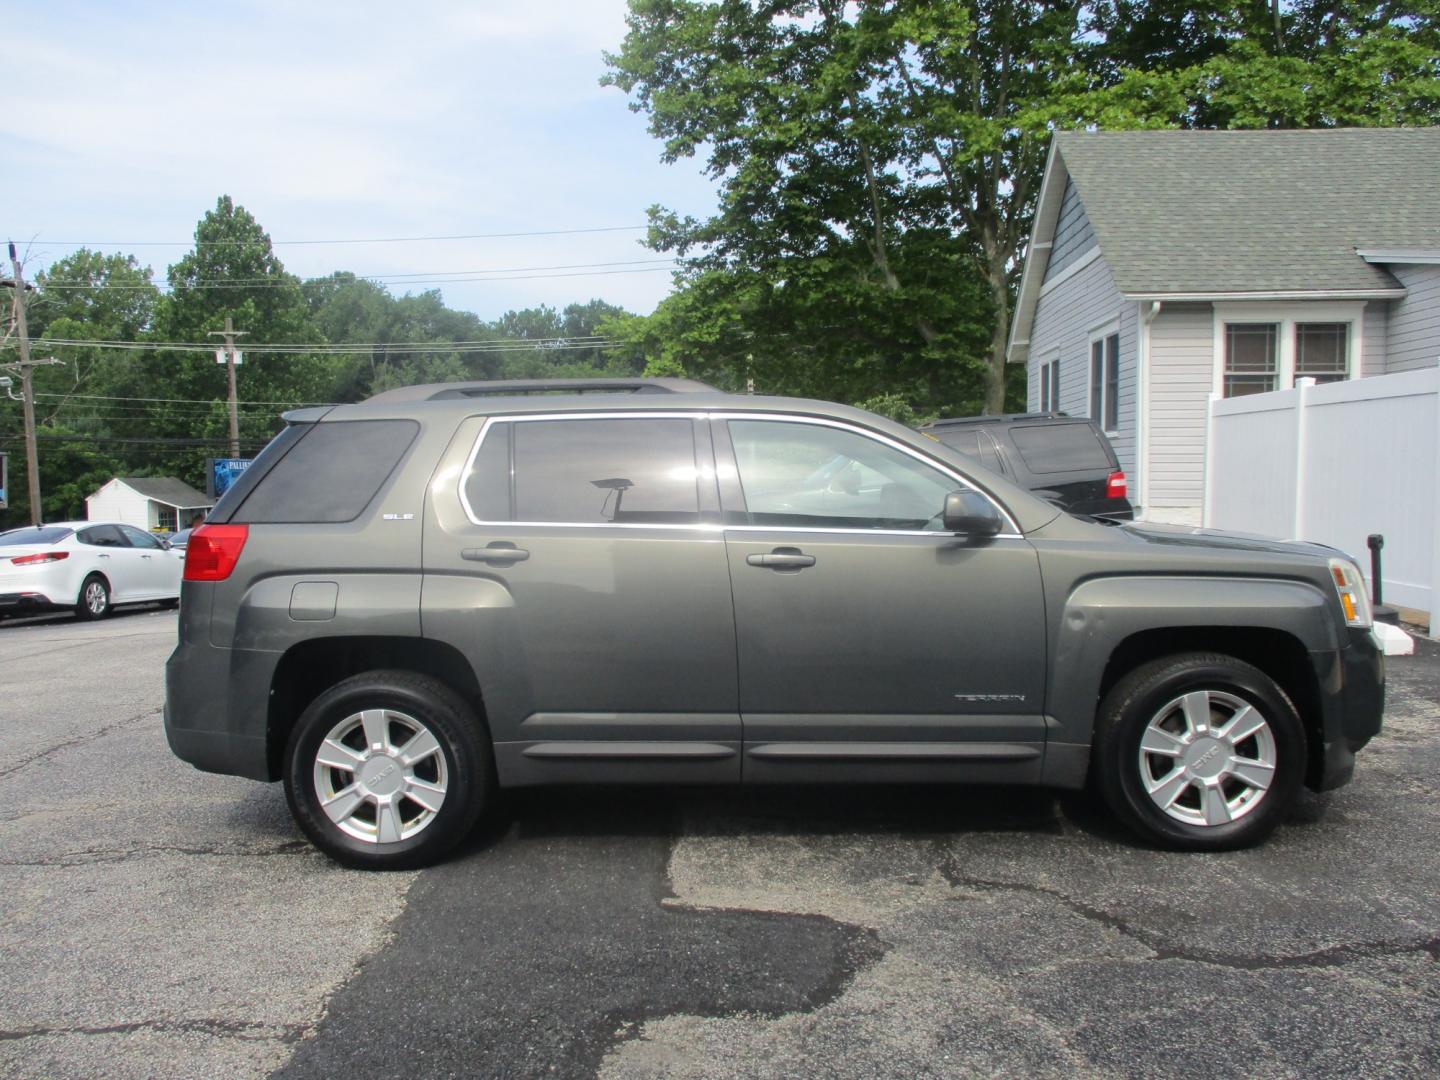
x=1066 y=460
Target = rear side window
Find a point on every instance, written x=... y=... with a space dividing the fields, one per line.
x=1055 y=448
x=586 y=471
x=331 y=474
x=967 y=442
x=102 y=536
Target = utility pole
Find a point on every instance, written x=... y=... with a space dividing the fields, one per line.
x=27 y=390
x=230 y=334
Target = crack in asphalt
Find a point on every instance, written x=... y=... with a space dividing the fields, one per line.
x=542 y=946
x=64 y=646
x=78 y=740
x=92 y=856
x=1334 y=956
x=248 y=1030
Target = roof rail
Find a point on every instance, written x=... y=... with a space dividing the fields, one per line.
x=518 y=387
x=999 y=418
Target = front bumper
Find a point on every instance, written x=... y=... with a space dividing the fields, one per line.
x=1352 y=701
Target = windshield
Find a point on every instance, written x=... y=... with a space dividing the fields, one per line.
x=35 y=534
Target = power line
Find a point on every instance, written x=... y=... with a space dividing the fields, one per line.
x=372 y=240
x=271 y=284
x=546 y=345
x=183 y=401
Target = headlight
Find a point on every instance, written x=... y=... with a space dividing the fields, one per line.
x=1350 y=587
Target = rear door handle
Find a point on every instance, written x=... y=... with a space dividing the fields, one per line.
x=782 y=559
x=500 y=553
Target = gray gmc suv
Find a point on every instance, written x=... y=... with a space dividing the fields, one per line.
x=409 y=603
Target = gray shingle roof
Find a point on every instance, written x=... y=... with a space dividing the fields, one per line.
x=168 y=490
x=1255 y=211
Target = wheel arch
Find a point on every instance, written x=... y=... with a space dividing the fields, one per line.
x=309 y=668
x=1276 y=653
x=1110 y=626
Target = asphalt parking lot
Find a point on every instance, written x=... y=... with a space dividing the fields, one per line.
x=156 y=921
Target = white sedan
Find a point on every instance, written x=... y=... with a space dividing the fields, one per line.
x=86 y=566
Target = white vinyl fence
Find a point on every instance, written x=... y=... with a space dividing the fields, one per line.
x=1335 y=463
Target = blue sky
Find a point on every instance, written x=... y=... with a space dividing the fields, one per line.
x=331 y=120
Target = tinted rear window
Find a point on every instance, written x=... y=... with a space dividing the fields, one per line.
x=331 y=474
x=42 y=534
x=1055 y=448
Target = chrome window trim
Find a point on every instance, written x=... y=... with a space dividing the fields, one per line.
x=495 y=421
x=492 y=422
x=886 y=440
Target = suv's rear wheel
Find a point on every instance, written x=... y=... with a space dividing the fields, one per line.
x=387 y=770
x=1199 y=751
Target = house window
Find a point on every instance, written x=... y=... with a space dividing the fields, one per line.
x=1322 y=351
x=166 y=518
x=1050 y=386
x=1261 y=347
x=1252 y=361
x=1105 y=381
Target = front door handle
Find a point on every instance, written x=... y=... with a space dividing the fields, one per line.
x=782 y=559
x=499 y=553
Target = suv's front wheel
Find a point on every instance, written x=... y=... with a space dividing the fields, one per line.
x=387 y=770
x=1199 y=751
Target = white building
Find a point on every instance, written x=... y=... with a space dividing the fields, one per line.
x=148 y=502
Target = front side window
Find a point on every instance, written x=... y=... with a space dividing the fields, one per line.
x=586 y=471
x=805 y=475
x=138 y=538
x=1105 y=381
x=1251 y=358
x=1322 y=351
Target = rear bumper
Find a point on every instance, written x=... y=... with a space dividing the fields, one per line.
x=28 y=600
x=1352 y=691
x=217 y=709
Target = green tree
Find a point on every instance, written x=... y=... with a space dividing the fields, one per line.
x=871 y=159
x=232 y=270
x=85 y=296
x=1269 y=64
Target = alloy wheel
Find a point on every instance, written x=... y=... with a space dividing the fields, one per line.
x=1207 y=758
x=380 y=776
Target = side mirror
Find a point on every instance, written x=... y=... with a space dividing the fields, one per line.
x=971 y=514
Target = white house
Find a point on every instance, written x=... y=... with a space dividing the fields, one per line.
x=148 y=502
x=1166 y=266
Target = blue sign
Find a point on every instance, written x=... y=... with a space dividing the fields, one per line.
x=223 y=473
x=4 y=479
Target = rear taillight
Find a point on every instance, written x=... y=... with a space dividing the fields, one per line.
x=1115 y=485
x=213 y=551
x=40 y=557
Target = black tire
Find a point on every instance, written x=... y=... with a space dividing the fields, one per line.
x=409 y=699
x=1154 y=692
x=94 y=599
